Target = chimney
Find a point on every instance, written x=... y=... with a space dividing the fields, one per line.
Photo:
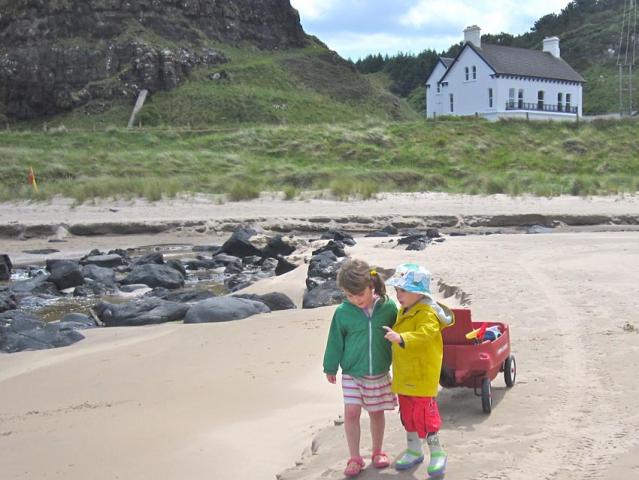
x=472 y=35
x=551 y=45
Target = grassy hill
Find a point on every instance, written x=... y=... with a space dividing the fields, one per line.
x=291 y=86
x=356 y=158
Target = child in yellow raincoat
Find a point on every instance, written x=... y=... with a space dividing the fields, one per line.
x=417 y=360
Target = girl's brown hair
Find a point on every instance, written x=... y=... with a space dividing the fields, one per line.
x=355 y=275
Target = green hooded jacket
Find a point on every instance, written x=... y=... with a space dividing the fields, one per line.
x=356 y=342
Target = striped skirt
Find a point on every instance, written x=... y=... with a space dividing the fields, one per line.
x=372 y=393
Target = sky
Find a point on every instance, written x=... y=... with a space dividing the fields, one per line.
x=356 y=28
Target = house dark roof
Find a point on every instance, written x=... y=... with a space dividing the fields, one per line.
x=524 y=62
x=446 y=61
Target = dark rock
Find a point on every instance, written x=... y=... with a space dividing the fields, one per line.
x=239 y=244
x=187 y=295
x=252 y=260
x=39 y=285
x=7 y=301
x=201 y=264
x=22 y=331
x=91 y=288
x=222 y=309
x=233 y=269
x=337 y=247
x=207 y=248
x=150 y=258
x=65 y=273
x=417 y=245
x=277 y=246
x=338 y=235
x=324 y=265
x=274 y=300
x=107 y=261
x=155 y=275
x=284 y=266
x=268 y=266
x=323 y=295
x=177 y=265
x=77 y=321
x=432 y=233
x=414 y=237
x=387 y=231
x=224 y=259
x=145 y=311
x=102 y=275
x=41 y=251
x=5 y=267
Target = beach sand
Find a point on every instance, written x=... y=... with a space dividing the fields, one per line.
x=248 y=399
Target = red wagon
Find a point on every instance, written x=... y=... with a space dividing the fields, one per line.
x=474 y=363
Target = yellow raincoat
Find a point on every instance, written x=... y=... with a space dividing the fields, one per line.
x=417 y=364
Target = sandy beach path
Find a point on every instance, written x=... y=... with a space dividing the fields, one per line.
x=247 y=399
x=574 y=412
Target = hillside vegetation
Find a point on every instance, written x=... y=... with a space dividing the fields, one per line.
x=308 y=85
x=347 y=159
x=589 y=32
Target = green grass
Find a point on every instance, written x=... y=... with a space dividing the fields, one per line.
x=295 y=86
x=351 y=160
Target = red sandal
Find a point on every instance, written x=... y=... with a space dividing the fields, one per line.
x=354 y=466
x=380 y=460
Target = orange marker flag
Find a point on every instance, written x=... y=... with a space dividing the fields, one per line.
x=32 y=180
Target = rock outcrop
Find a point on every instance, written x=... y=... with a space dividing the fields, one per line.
x=59 y=55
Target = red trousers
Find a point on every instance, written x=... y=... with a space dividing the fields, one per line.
x=419 y=414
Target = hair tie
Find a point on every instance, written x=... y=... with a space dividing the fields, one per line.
x=373 y=273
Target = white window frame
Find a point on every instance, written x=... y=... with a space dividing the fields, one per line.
x=490 y=98
x=520 y=99
x=452 y=102
x=467 y=72
x=474 y=72
x=511 y=98
x=568 y=102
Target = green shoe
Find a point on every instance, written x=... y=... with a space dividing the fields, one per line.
x=438 y=457
x=409 y=459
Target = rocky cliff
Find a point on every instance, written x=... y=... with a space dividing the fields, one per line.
x=56 y=55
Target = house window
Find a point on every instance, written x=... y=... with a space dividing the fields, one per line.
x=452 y=103
x=439 y=88
x=511 y=98
x=466 y=70
x=559 y=102
x=490 y=98
x=474 y=72
x=568 y=102
x=520 y=99
x=540 y=100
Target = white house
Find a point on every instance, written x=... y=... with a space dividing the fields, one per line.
x=495 y=81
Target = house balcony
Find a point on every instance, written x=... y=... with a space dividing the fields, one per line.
x=541 y=107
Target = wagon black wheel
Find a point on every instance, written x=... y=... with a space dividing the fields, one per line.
x=510 y=371
x=486 y=395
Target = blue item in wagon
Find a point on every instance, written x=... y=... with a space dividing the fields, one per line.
x=492 y=333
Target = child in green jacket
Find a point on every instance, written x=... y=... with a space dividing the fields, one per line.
x=356 y=344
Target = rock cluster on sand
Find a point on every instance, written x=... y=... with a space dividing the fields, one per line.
x=245 y=258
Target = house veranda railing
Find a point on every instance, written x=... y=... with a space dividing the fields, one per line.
x=541 y=107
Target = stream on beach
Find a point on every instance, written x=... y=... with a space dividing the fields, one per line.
x=54 y=308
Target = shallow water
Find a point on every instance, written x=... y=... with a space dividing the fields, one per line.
x=53 y=309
